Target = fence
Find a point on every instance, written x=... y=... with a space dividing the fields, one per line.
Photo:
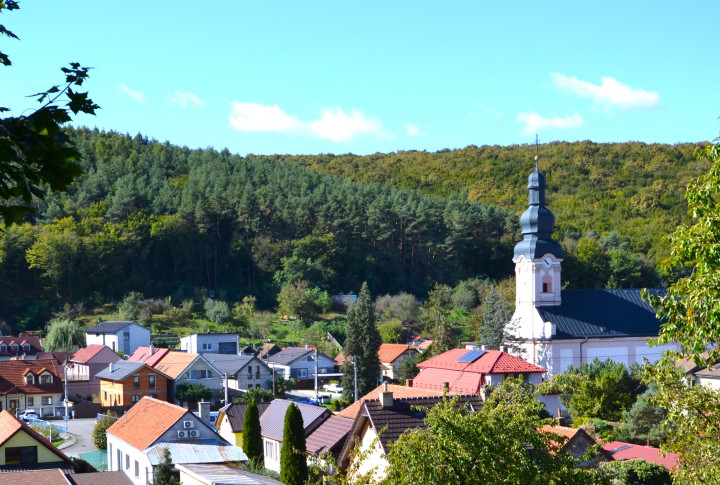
x=61 y=428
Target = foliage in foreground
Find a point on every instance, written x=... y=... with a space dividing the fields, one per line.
x=637 y=472
x=499 y=444
x=101 y=426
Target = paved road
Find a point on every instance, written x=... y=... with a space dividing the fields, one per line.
x=82 y=430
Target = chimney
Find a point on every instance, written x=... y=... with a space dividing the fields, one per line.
x=204 y=412
x=111 y=367
x=386 y=398
x=446 y=386
x=505 y=349
x=485 y=347
x=152 y=349
x=409 y=382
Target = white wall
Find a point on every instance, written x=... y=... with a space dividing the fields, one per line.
x=145 y=468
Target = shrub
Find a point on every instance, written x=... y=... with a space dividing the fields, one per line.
x=101 y=426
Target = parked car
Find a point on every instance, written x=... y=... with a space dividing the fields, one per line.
x=333 y=387
x=28 y=414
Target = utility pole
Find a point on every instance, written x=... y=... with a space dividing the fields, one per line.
x=355 y=372
x=317 y=398
x=66 y=395
x=226 y=389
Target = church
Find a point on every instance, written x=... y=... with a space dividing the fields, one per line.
x=556 y=328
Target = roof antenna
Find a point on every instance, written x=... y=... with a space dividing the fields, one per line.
x=537 y=156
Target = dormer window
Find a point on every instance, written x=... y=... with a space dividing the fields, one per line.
x=29 y=379
x=3 y=347
x=46 y=379
x=26 y=347
x=14 y=348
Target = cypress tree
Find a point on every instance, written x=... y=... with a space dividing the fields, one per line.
x=293 y=464
x=164 y=472
x=252 y=440
x=362 y=342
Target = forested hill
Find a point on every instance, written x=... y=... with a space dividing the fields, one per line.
x=634 y=189
x=162 y=220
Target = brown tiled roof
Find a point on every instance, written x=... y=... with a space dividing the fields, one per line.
x=33 y=341
x=390 y=352
x=235 y=413
x=142 y=354
x=268 y=350
x=58 y=357
x=84 y=355
x=146 y=421
x=272 y=420
x=53 y=476
x=174 y=363
x=10 y=426
x=397 y=390
x=340 y=359
x=106 y=478
x=12 y=371
x=329 y=436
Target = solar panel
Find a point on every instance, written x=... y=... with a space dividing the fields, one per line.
x=471 y=356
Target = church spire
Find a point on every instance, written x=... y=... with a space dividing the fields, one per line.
x=537 y=222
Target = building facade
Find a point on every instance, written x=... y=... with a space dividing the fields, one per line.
x=216 y=343
x=123 y=337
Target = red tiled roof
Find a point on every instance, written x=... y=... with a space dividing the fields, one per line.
x=12 y=380
x=340 y=359
x=628 y=451
x=424 y=344
x=32 y=340
x=460 y=382
x=142 y=354
x=146 y=421
x=398 y=392
x=10 y=426
x=84 y=355
x=174 y=363
x=390 y=352
x=491 y=362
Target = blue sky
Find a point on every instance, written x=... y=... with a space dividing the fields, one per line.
x=364 y=77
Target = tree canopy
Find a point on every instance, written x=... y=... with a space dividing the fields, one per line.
x=64 y=335
x=362 y=343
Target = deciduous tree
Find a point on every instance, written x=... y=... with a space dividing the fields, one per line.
x=64 y=335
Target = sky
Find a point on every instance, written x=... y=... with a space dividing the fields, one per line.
x=309 y=77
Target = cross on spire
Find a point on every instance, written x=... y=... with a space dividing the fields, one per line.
x=537 y=156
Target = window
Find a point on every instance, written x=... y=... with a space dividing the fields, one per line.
x=26 y=347
x=207 y=346
x=270 y=450
x=3 y=348
x=151 y=381
x=127 y=461
x=136 y=382
x=154 y=395
x=135 y=398
x=29 y=379
x=119 y=460
x=249 y=372
x=105 y=395
x=45 y=379
x=302 y=373
x=109 y=455
x=257 y=372
x=21 y=455
x=126 y=335
x=30 y=402
x=47 y=400
x=137 y=469
x=14 y=348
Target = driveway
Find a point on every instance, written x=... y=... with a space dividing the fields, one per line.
x=82 y=429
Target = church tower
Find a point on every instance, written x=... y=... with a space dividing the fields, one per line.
x=537 y=261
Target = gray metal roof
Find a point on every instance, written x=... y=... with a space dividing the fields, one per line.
x=121 y=369
x=197 y=451
x=289 y=355
x=108 y=327
x=225 y=475
x=603 y=313
x=230 y=363
x=272 y=420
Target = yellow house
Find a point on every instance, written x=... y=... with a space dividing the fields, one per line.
x=231 y=419
x=21 y=446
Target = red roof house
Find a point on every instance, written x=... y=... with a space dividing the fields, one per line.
x=17 y=346
x=148 y=355
x=467 y=371
x=620 y=451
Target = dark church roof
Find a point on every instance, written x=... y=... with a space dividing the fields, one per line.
x=603 y=313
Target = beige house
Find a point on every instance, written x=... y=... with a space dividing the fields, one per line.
x=21 y=447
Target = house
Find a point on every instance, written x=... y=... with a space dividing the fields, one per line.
x=231 y=420
x=218 y=343
x=272 y=423
x=124 y=383
x=299 y=363
x=136 y=441
x=221 y=475
x=555 y=328
x=620 y=451
x=193 y=369
x=468 y=371
x=32 y=384
x=392 y=355
x=394 y=416
x=267 y=351
x=23 y=448
x=328 y=438
x=85 y=363
x=123 y=337
x=577 y=443
x=244 y=371
x=27 y=345
x=398 y=391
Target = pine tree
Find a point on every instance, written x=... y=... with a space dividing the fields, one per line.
x=164 y=472
x=293 y=464
x=362 y=342
x=496 y=315
x=252 y=440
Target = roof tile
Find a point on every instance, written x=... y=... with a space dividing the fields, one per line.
x=12 y=371
x=390 y=352
x=146 y=421
x=397 y=390
x=629 y=451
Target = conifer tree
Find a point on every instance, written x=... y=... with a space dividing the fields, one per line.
x=362 y=342
x=252 y=440
x=293 y=464
x=164 y=472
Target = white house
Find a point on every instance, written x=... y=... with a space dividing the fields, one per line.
x=244 y=371
x=555 y=327
x=123 y=337
x=216 y=343
x=137 y=439
x=299 y=363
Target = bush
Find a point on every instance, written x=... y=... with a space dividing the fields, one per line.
x=46 y=430
x=637 y=472
x=217 y=311
x=101 y=426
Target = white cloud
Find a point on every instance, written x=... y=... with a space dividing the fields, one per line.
x=413 y=130
x=610 y=93
x=136 y=95
x=255 y=117
x=334 y=124
x=534 y=122
x=184 y=99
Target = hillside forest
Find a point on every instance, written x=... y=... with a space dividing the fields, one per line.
x=164 y=220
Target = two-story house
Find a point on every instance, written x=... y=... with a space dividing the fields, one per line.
x=32 y=384
x=193 y=369
x=299 y=363
x=84 y=364
x=216 y=343
x=243 y=371
x=123 y=337
x=14 y=347
x=392 y=355
x=124 y=383
x=136 y=441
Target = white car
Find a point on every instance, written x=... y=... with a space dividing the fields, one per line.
x=333 y=388
x=28 y=414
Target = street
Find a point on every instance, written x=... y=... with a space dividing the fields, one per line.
x=82 y=429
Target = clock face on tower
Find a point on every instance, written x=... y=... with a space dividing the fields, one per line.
x=547 y=262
